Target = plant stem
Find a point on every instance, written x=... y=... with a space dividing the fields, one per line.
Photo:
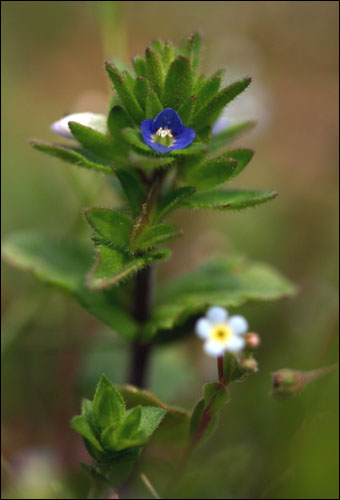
x=140 y=352
x=220 y=370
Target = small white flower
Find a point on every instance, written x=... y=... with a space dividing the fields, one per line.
x=92 y=120
x=221 y=332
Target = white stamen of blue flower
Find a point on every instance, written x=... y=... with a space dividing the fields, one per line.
x=220 y=332
x=163 y=132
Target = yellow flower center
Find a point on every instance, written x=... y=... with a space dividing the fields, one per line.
x=221 y=333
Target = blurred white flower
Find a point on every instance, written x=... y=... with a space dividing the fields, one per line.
x=221 y=332
x=92 y=120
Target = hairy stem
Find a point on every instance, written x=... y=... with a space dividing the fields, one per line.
x=140 y=352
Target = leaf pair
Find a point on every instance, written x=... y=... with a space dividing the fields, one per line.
x=112 y=435
x=123 y=248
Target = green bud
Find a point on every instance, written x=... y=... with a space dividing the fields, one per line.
x=249 y=364
x=288 y=383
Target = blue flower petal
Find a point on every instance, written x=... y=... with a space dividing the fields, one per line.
x=184 y=139
x=168 y=118
x=146 y=126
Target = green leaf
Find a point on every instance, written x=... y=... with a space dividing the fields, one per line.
x=154 y=235
x=242 y=156
x=76 y=155
x=125 y=93
x=229 y=282
x=212 y=172
x=139 y=65
x=232 y=132
x=132 y=187
x=172 y=200
x=113 y=227
x=150 y=163
x=231 y=368
x=196 y=148
x=174 y=426
x=140 y=90
x=80 y=424
x=151 y=417
x=109 y=437
x=155 y=70
x=135 y=139
x=117 y=121
x=131 y=423
x=92 y=140
x=228 y=199
x=128 y=79
x=215 y=397
x=158 y=46
x=86 y=409
x=191 y=48
x=195 y=421
x=65 y=264
x=108 y=405
x=168 y=55
x=186 y=109
x=208 y=90
x=153 y=105
x=178 y=83
x=210 y=111
x=113 y=265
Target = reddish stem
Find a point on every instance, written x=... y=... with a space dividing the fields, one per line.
x=220 y=370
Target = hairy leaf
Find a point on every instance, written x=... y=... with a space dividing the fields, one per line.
x=125 y=93
x=73 y=154
x=186 y=109
x=178 y=83
x=139 y=65
x=155 y=70
x=80 y=424
x=97 y=143
x=210 y=111
x=132 y=187
x=108 y=407
x=242 y=156
x=229 y=282
x=212 y=172
x=228 y=199
x=155 y=235
x=64 y=264
x=140 y=90
x=113 y=266
x=232 y=132
x=113 y=227
x=153 y=105
x=171 y=200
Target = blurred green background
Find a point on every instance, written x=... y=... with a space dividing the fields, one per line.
x=53 y=352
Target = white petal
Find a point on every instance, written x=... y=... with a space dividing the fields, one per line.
x=217 y=314
x=213 y=348
x=92 y=120
x=238 y=324
x=236 y=343
x=202 y=328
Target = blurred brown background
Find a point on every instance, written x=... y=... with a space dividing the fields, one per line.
x=53 y=352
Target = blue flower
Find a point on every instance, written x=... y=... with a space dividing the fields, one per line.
x=166 y=132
